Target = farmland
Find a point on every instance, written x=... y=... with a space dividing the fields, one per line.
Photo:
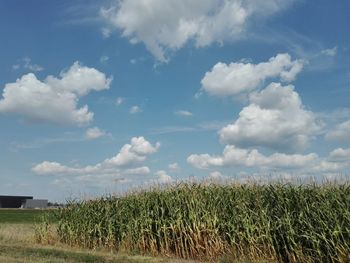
x=18 y=244
x=20 y=215
x=288 y=223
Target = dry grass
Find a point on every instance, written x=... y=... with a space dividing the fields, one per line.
x=17 y=233
x=17 y=245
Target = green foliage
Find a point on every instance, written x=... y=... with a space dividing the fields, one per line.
x=287 y=223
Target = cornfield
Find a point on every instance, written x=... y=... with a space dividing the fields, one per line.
x=276 y=222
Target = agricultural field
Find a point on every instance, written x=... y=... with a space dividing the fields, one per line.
x=225 y=223
x=187 y=223
x=18 y=244
x=21 y=215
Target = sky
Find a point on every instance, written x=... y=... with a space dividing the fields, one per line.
x=100 y=97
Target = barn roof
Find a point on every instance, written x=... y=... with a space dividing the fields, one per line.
x=15 y=196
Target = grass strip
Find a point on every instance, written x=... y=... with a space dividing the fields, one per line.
x=10 y=253
x=21 y=215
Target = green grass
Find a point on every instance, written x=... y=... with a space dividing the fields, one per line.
x=21 y=215
x=45 y=254
x=34 y=254
x=287 y=223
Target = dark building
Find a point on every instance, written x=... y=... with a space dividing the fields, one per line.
x=8 y=201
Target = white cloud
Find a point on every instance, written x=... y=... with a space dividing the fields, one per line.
x=330 y=51
x=94 y=133
x=143 y=147
x=337 y=160
x=32 y=67
x=106 y=32
x=133 y=153
x=340 y=133
x=183 y=113
x=233 y=156
x=327 y=166
x=163 y=177
x=237 y=78
x=135 y=109
x=174 y=167
x=137 y=60
x=54 y=100
x=119 y=101
x=165 y=26
x=339 y=155
x=275 y=118
x=276 y=164
x=216 y=176
x=80 y=80
x=26 y=64
x=124 y=163
x=138 y=171
x=53 y=168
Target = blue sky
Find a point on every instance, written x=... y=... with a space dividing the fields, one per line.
x=100 y=97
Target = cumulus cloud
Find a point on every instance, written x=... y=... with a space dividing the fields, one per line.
x=133 y=153
x=53 y=168
x=54 y=100
x=94 y=133
x=277 y=163
x=174 y=167
x=240 y=77
x=340 y=133
x=183 y=113
x=233 y=156
x=339 y=155
x=275 y=118
x=80 y=80
x=124 y=163
x=163 y=177
x=135 y=109
x=337 y=160
x=216 y=176
x=164 y=26
x=327 y=166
